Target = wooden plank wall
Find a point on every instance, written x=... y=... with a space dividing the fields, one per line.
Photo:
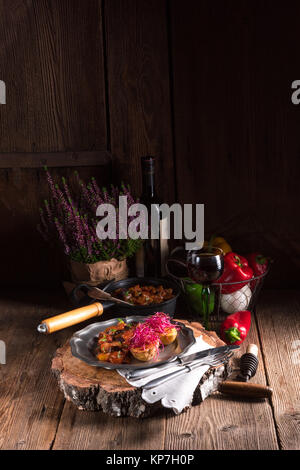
x=235 y=124
x=51 y=59
x=139 y=90
x=205 y=87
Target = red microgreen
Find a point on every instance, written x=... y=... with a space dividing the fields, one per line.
x=160 y=323
x=144 y=337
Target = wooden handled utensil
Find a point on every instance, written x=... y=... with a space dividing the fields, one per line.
x=244 y=389
x=50 y=325
x=248 y=368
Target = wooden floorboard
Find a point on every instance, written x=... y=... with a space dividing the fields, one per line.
x=278 y=316
x=95 y=431
x=225 y=423
x=30 y=403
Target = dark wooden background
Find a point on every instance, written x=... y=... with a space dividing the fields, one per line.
x=205 y=86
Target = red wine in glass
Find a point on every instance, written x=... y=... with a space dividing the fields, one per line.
x=205 y=265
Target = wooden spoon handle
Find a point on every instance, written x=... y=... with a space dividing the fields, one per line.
x=245 y=389
x=50 y=325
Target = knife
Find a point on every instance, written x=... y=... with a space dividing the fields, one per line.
x=214 y=360
x=184 y=360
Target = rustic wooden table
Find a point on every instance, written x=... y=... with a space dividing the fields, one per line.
x=35 y=415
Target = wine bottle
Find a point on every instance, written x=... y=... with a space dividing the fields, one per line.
x=152 y=256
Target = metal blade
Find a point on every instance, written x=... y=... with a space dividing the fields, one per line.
x=141 y=373
x=206 y=353
x=185 y=369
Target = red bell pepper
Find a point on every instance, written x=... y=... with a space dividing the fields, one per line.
x=236 y=269
x=259 y=263
x=235 y=327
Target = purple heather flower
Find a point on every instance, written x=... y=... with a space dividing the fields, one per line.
x=62 y=236
x=51 y=185
x=72 y=219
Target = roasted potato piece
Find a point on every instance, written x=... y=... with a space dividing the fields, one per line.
x=168 y=336
x=144 y=355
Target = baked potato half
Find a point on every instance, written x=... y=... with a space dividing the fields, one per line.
x=168 y=336
x=145 y=354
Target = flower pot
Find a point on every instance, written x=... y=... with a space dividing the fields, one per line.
x=97 y=273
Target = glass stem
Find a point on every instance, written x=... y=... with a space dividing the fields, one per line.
x=205 y=303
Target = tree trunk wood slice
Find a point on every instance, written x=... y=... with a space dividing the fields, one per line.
x=96 y=389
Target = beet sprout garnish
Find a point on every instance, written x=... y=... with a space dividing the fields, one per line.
x=144 y=337
x=160 y=323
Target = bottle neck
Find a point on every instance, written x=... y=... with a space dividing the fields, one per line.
x=148 y=179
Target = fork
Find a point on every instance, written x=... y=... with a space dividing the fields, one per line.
x=212 y=361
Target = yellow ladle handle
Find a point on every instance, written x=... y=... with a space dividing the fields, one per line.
x=50 y=325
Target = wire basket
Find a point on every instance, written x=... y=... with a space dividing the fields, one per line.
x=222 y=303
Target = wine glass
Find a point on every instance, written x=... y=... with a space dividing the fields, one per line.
x=205 y=266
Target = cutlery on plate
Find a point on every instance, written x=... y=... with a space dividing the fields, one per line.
x=183 y=360
x=212 y=361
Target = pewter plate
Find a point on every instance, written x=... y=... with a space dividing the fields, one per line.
x=83 y=344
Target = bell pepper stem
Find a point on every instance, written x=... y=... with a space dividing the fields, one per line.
x=233 y=334
x=261 y=259
x=238 y=261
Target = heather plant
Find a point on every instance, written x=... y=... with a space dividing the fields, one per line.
x=70 y=219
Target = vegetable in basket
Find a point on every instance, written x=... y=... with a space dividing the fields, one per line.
x=236 y=269
x=238 y=300
x=194 y=295
x=259 y=263
x=219 y=242
x=235 y=327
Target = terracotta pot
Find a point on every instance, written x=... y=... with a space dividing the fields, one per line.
x=96 y=273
